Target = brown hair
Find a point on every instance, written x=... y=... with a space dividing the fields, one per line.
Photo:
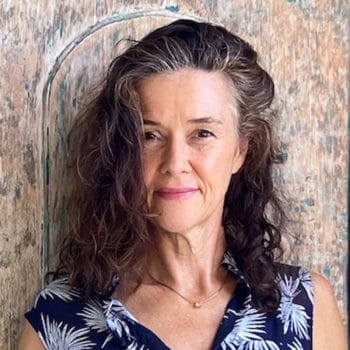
x=109 y=227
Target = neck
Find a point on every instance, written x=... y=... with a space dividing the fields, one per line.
x=189 y=262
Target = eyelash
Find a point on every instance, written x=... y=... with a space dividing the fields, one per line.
x=204 y=131
x=200 y=134
x=150 y=135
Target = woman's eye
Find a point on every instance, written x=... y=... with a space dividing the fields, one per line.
x=204 y=133
x=150 y=135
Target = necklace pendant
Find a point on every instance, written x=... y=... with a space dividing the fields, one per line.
x=197 y=304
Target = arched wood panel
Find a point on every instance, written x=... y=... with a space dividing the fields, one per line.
x=53 y=53
x=79 y=71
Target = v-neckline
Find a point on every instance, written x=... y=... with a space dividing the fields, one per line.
x=149 y=336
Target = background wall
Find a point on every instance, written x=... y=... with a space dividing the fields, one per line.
x=53 y=52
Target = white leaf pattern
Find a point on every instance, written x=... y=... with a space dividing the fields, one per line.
x=94 y=317
x=116 y=315
x=59 y=288
x=258 y=345
x=248 y=326
x=135 y=346
x=296 y=345
x=293 y=316
x=57 y=336
x=306 y=281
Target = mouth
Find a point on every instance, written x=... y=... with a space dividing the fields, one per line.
x=176 y=193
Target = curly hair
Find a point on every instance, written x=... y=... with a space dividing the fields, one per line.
x=109 y=227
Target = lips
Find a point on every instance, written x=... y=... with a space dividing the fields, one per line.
x=171 y=193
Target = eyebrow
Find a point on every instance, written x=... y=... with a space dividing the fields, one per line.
x=150 y=122
x=206 y=120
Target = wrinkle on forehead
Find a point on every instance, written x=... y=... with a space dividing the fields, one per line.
x=197 y=80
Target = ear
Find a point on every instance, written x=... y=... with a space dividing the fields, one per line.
x=240 y=154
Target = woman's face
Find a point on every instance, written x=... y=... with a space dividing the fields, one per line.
x=191 y=146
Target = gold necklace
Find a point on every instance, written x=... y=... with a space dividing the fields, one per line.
x=196 y=304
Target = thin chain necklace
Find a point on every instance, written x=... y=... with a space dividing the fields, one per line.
x=196 y=304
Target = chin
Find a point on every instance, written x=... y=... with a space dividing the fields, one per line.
x=179 y=225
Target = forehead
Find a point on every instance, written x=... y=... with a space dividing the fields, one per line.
x=189 y=90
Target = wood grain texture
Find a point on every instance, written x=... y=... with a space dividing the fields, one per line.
x=53 y=53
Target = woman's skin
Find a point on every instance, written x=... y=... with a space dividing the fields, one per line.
x=192 y=147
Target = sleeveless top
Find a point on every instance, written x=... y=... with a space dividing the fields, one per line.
x=65 y=321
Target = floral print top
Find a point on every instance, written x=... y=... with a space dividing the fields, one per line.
x=65 y=321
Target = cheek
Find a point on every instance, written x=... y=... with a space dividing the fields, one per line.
x=214 y=158
x=149 y=168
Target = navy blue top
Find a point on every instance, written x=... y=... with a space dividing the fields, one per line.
x=64 y=321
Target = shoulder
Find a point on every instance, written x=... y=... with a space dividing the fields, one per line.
x=315 y=293
x=296 y=282
x=323 y=289
x=29 y=339
x=54 y=298
x=49 y=308
x=54 y=304
x=329 y=331
x=292 y=270
x=61 y=313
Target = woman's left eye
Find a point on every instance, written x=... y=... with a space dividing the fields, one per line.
x=204 y=133
x=150 y=135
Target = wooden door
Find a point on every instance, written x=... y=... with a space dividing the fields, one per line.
x=54 y=52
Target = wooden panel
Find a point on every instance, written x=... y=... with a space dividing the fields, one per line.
x=304 y=46
x=53 y=52
x=20 y=175
x=79 y=68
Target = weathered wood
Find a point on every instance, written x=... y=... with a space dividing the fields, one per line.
x=52 y=53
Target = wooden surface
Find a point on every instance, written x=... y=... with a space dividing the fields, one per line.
x=53 y=52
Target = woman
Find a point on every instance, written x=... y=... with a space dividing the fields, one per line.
x=174 y=220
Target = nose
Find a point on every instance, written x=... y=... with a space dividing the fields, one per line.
x=175 y=159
